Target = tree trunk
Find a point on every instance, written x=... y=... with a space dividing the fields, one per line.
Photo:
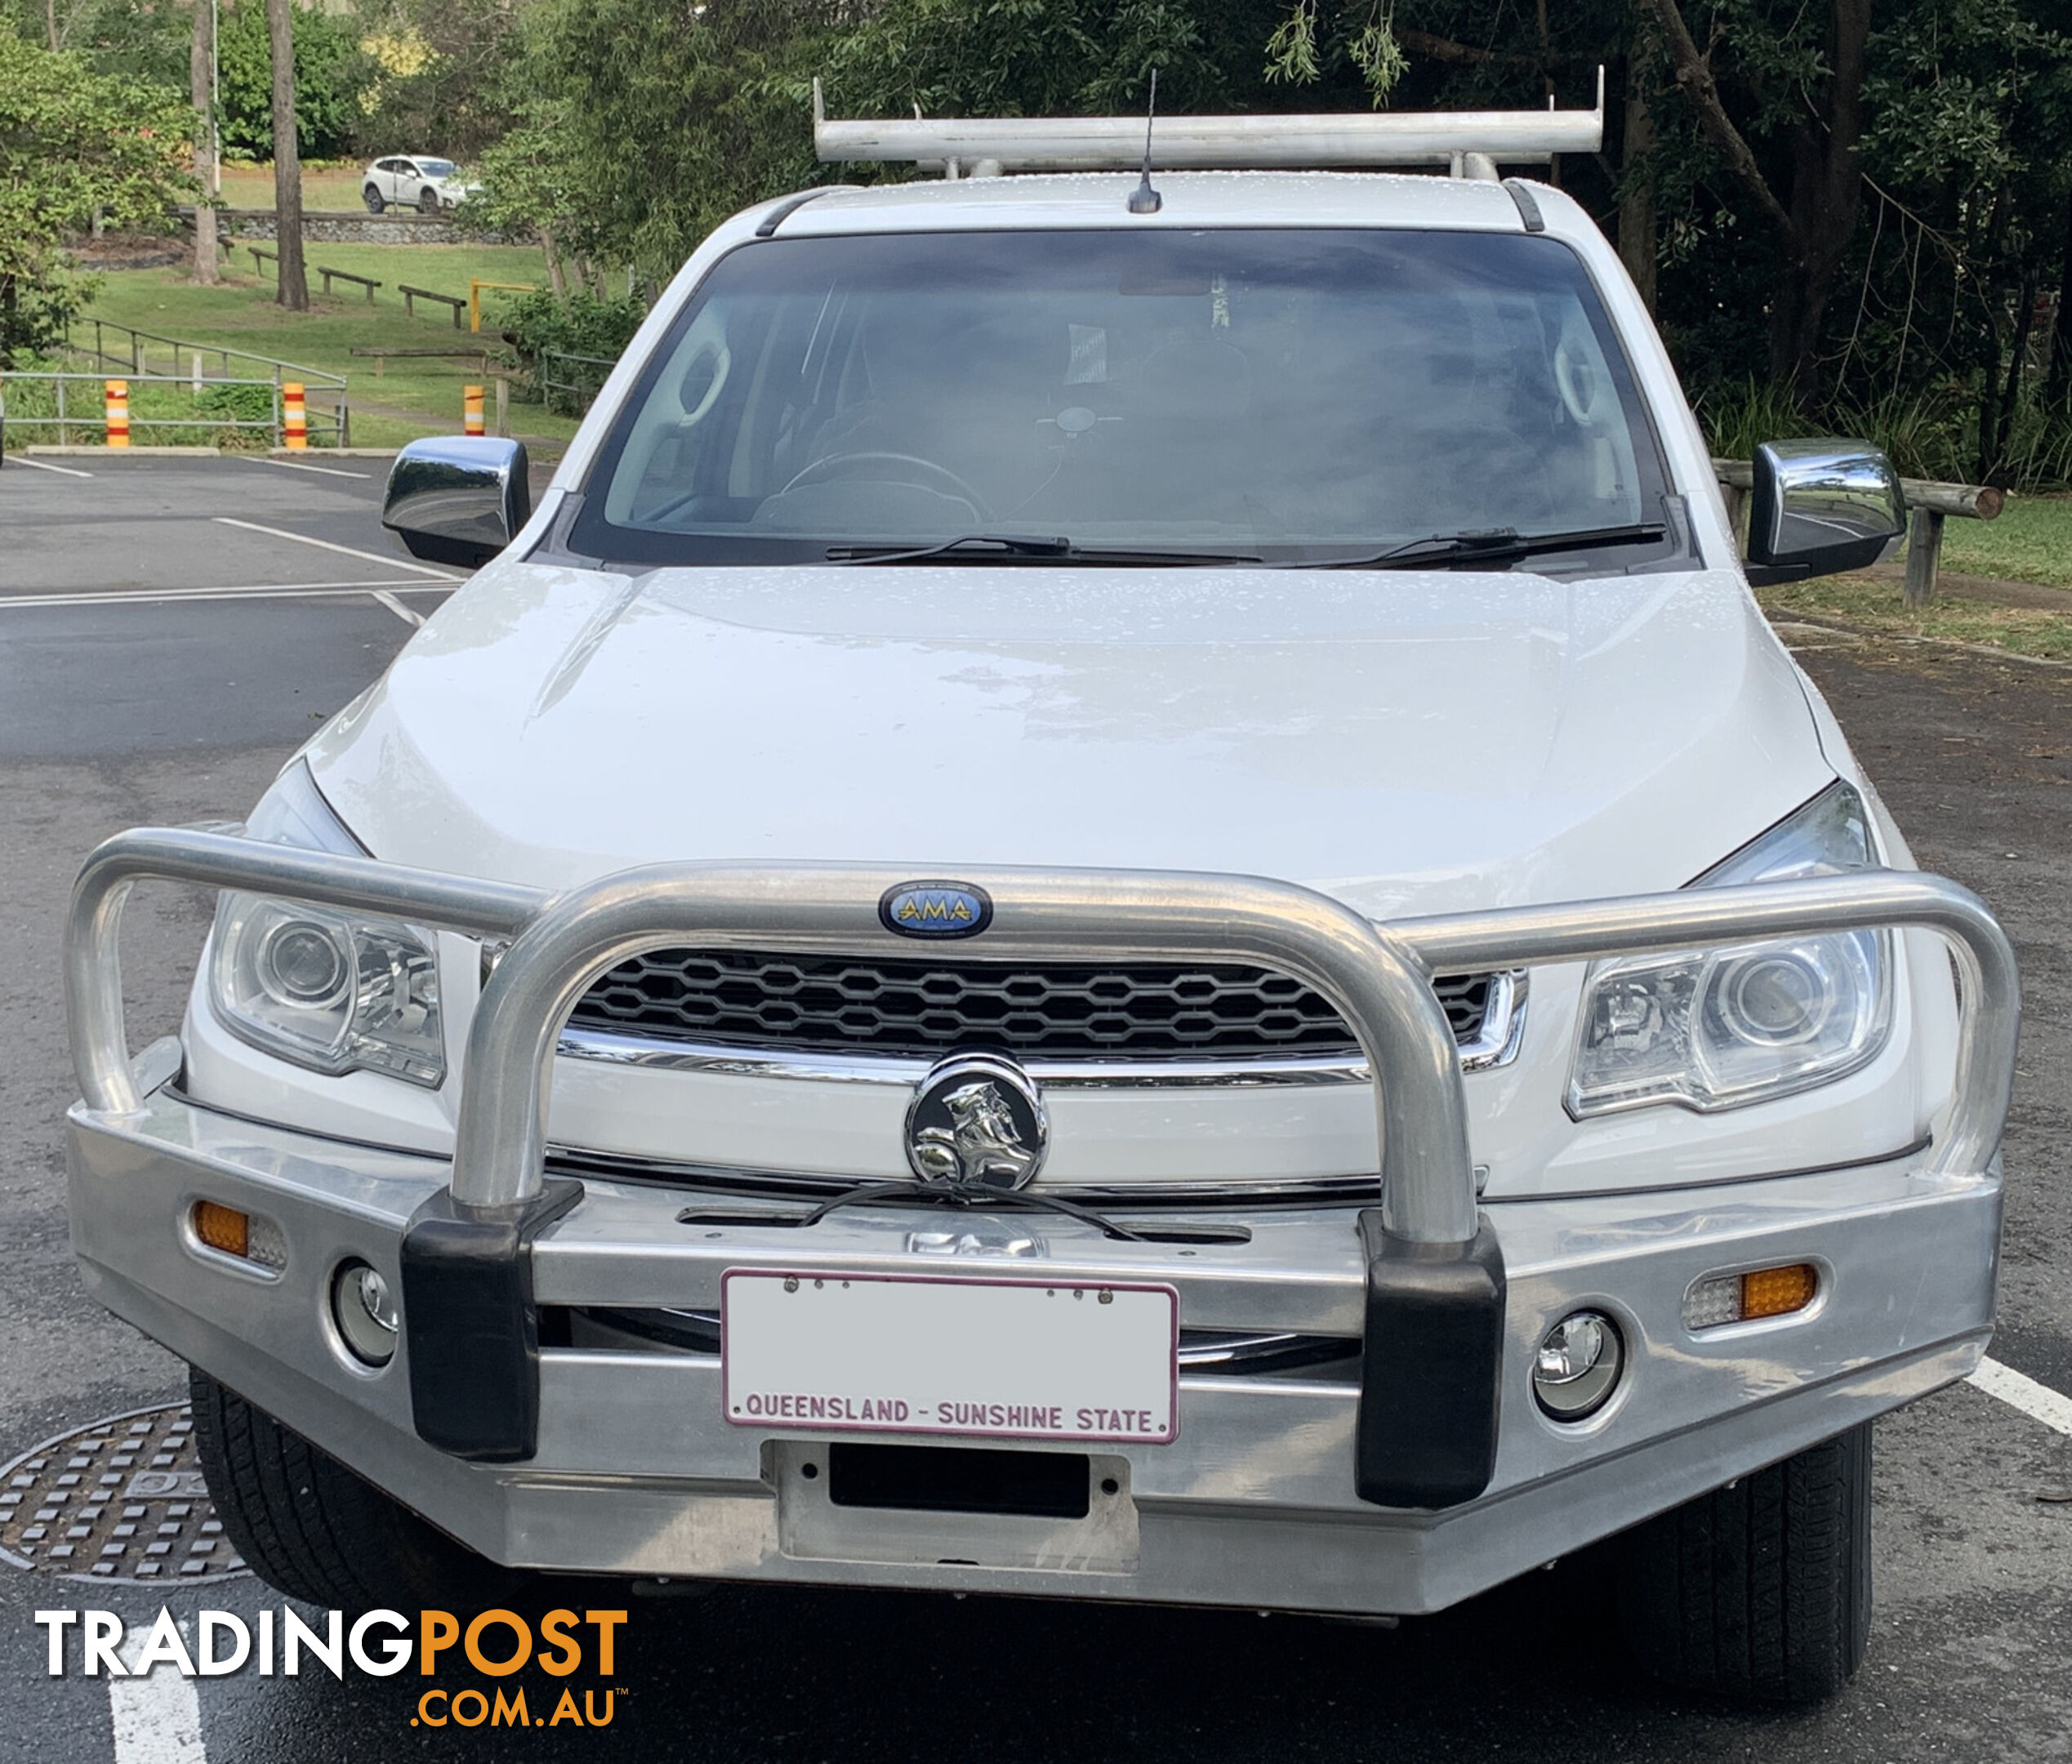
x=1639 y=233
x=555 y=278
x=1826 y=192
x=1999 y=471
x=201 y=69
x=287 y=161
x=2059 y=388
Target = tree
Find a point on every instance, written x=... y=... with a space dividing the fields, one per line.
x=201 y=74
x=333 y=75
x=1815 y=220
x=73 y=142
x=293 y=285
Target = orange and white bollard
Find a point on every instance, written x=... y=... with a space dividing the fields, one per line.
x=471 y=405
x=119 y=413
x=294 y=416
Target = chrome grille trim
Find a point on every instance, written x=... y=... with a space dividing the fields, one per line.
x=1502 y=1029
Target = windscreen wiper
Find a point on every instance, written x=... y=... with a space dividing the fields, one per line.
x=1488 y=545
x=993 y=548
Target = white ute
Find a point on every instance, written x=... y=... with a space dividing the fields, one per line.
x=1119 y=898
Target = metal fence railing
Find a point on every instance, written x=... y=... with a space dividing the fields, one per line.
x=567 y=384
x=71 y=407
x=145 y=357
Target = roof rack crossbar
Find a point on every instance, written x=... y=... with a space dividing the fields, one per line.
x=1219 y=144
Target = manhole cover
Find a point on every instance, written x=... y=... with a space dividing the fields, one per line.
x=119 y=1499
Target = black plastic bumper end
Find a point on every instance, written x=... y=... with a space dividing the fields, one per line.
x=471 y=1326
x=1431 y=1369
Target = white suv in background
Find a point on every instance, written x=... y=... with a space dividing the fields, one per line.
x=417 y=181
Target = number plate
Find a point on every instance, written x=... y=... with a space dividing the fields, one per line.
x=916 y=1354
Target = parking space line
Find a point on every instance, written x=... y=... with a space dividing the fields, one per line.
x=398 y=607
x=68 y=471
x=2039 y=1402
x=157 y=1718
x=329 y=471
x=325 y=545
x=259 y=591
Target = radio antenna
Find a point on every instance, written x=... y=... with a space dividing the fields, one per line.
x=1143 y=199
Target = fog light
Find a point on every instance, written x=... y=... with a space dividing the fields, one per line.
x=1578 y=1364
x=1722 y=1299
x=364 y=1310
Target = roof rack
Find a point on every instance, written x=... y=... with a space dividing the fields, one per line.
x=1469 y=143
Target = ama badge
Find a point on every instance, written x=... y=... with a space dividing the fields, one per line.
x=935 y=910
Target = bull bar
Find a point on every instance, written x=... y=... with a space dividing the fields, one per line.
x=1426 y=1434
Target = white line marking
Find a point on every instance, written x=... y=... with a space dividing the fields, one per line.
x=2038 y=1401
x=69 y=471
x=282 y=591
x=398 y=607
x=157 y=1718
x=289 y=465
x=325 y=545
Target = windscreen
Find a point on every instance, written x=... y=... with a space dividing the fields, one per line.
x=436 y=167
x=1273 y=394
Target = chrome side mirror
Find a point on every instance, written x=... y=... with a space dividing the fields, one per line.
x=1820 y=506
x=458 y=499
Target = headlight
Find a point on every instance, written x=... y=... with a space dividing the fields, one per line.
x=334 y=993
x=1715 y=1029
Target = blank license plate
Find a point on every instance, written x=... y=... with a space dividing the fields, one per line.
x=920 y=1354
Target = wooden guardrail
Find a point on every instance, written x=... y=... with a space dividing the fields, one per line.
x=1929 y=502
x=410 y=293
x=329 y=276
x=381 y=352
x=261 y=257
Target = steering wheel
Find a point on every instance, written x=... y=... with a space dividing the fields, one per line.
x=925 y=473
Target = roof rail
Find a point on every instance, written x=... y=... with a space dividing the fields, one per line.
x=1470 y=143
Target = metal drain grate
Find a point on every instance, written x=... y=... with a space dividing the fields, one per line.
x=121 y=1499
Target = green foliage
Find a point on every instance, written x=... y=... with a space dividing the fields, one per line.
x=457 y=96
x=580 y=324
x=583 y=325
x=1932 y=432
x=143 y=39
x=1363 y=34
x=73 y=142
x=331 y=72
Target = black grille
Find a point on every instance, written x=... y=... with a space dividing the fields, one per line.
x=922 y=1008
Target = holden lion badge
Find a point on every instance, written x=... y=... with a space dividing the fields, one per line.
x=976 y=1119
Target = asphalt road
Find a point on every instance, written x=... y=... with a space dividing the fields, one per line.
x=116 y=709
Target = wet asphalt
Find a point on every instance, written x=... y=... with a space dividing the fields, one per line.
x=116 y=711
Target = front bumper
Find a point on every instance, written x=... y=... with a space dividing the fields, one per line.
x=634 y=1471
x=1427 y=1475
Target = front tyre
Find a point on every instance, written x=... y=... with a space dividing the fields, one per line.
x=1761 y=1589
x=309 y=1526
x=428 y=201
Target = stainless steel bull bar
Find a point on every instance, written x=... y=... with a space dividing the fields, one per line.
x=1375 y=975
x=1426 y=1434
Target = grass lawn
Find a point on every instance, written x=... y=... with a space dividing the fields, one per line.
x=1869 y=604
x=2031 y=542
x=251 y=186
x=422 y=395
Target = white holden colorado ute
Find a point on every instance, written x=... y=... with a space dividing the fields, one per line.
x=1118 y=898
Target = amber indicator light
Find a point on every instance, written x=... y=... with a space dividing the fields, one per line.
x=222 y=1227
x=1776 y=1291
